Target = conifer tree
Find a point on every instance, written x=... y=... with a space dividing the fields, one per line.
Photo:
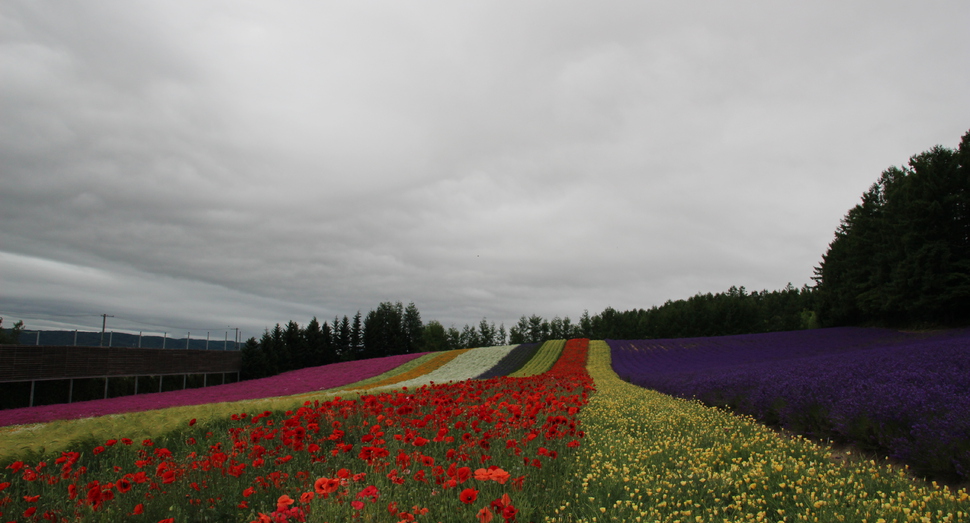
x=902 y=256
x=412 y=328
x=486 y=333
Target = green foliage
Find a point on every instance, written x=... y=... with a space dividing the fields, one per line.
x=412 y=328
x=11 y=336
x=433 y=337
x=536 y=329
x=901 y=257
x=384 y=331
x=253 y=360
x=733 y=312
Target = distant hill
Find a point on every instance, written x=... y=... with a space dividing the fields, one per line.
x=121 y=339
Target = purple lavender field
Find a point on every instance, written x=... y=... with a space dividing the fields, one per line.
x=905 y=395
x=289 y=383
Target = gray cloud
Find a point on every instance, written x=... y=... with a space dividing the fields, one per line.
x=197 y=163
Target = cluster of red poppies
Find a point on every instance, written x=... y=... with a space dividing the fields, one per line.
x=338 y=459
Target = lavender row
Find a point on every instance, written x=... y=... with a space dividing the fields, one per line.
x=512 y=361
x=899 y=394
x=289 y=383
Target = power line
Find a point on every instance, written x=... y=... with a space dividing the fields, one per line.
x=55 y=316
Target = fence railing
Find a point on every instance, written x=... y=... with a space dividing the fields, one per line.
x=26 y=368
x=78 y=338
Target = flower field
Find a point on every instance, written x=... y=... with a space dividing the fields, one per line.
x=558 y=438
x=649 y=457
x=465 y=366
x=513 y=361
x=897 y=394
x=427 y=366
x=471 y=450
x=294 y=382
x=543 y=360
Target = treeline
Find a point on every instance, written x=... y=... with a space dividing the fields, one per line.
x=388 y=330
x=733 y=312
x=902 y=256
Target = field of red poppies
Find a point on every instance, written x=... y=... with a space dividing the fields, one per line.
x=473 y=450
x=566 y=440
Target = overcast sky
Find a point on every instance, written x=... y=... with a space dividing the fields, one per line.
x=193 y=165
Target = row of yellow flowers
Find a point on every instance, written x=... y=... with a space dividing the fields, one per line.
x=653 y=458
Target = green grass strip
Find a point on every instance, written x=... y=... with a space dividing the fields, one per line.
x=543 y=360
x=648 y=457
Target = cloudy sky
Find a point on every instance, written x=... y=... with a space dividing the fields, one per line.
x=193 y=165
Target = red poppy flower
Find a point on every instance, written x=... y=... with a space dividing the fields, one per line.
x=325 y=486
x=283 y=502
x=139 y=508
x=484 y=515
x=123 y=485
x=468 y=496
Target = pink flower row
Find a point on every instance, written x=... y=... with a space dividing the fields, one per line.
x=293 y=382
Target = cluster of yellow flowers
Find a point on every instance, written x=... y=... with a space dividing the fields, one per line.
x=649 y=457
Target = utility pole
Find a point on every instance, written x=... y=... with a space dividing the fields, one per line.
x=104 y=321
x=237 y=338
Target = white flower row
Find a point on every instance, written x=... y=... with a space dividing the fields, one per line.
x=464 y=367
